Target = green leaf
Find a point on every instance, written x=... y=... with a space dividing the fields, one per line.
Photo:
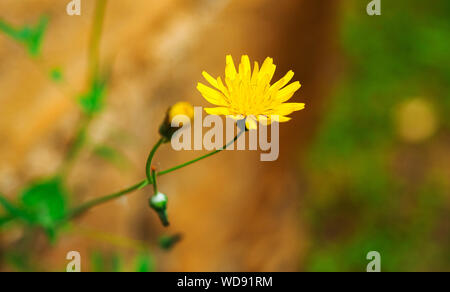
x=92 y=102
x=46 y=204
x=30 y=37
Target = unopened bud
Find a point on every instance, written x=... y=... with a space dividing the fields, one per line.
x=180 y=114
x=159 y=203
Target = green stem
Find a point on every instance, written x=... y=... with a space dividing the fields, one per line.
x=83 y=208
x=148 y=166
x=148 y=181
x=93 y=72
x=77 y=144
x=201 y=157
x=94 y=46
x=155 y=185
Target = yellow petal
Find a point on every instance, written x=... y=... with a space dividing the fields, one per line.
x=282 y=119
x=237 y=117
x=287 y=108
x=273 y=118
x=268 y=68
x=268 y=62
x=230 y=69
x=283 y=81
x=286 y=93
x=210 y=79
x=274 y=89
x=255 y=73
x=211 y=95
x=222 y=87
x=245 y=69
x=217 y=111
x=279 y=119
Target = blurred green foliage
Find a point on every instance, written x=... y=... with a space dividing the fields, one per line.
x=45 y=202
x=167 y=242
x=92 y=102
x=357 y=201
x=42 y=204
x=56 y=74
x=144 y=262
x=115 y=262
x=105 y=263
x=30 y=36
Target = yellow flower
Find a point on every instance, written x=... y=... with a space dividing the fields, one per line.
x=250 y=95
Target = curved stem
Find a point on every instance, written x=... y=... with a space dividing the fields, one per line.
x=201 y=157
x=148 y=167
x=81 y=209
x=109 y=238
x=155 y=185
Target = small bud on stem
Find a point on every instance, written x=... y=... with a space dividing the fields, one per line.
x=178 y=110
x=159 y=203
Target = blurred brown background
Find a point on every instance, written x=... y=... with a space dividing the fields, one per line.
x=358 y=170
x=232 y=214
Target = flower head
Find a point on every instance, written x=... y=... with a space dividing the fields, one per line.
x=250 y=95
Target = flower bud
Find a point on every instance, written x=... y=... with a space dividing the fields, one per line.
x=179 y=113
x=159 y=203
